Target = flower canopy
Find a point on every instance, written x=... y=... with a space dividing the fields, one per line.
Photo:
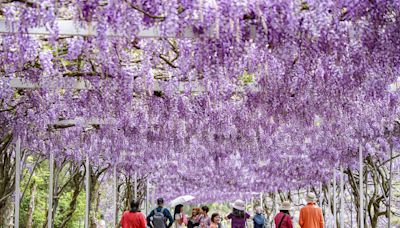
x=227 y=98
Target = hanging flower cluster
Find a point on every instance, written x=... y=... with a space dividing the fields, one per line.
x=234 y=96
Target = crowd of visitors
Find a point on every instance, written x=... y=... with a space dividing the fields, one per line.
x=160 y=217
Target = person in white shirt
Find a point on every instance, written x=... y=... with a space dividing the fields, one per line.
x=102 y=223
x=180 y=217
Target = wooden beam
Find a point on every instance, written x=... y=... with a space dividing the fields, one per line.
x=86 y=85
x=72 y=28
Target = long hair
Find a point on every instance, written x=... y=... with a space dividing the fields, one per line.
x=238 y=213
x=134 y=206
x=177 y=209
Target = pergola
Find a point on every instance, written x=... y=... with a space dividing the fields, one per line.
x=70 y=28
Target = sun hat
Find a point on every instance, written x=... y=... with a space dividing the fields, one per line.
x=285 y=206
x=239 y=205
x=310 y=198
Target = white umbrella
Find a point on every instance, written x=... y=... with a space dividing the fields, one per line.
x=180 y=200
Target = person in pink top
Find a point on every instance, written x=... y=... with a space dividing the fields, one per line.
x=180 y=217
x=215 y=220
x=282 y=219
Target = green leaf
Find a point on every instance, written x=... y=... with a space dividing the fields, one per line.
x=247 y=78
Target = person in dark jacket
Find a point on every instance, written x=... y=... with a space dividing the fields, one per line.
x=160 y=207
x=259 y=219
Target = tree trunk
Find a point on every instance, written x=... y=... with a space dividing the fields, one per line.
x=128 y=193
x=6 y=213
x=7 y=174
x=95 y=174
x=94 y=199
x=31 y=208
x=77 y=185
x=57 y=192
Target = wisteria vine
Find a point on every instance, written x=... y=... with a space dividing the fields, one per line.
x=264 y=91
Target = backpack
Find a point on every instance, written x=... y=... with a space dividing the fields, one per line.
x=159 y=220
x=259 y=221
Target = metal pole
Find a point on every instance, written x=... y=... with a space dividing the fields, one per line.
x=351 y=209
x=390 y=183
x=153 y=198
x=17 y=181
x=147 y=196
x=87 y=192
x=320 y=194
x=115 y=196
x=361 y=190
x=276 y=205
x=329 y=211
x=334 y=198
x=341 y=198
x=51 y=189
x=135 y=186
x=366 y=221
x=252 y=203
x=321 y=200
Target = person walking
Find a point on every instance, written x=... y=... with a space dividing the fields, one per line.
x=194 y=220
x=205 y=221
x=259 y=219
x=133 y=218
x=179 y=216
x=282 y=219
x=311 y=215
x=102 y=223
x=159 y=216
x=215 y=221
x=238 y=216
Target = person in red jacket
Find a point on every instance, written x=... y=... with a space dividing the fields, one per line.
x=282 y=219
x=133 y=218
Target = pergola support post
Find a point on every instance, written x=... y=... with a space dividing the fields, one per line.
x=321 y=195
x=361 y=189
x=342 y=192
x=135 y=185
x=17 y=181
x=329 y=211
x=87 y=210
x=390 y=184
x=147 y=196
x=51 y=189
x=153 y=198
x=334 y=199
x=252 y=203
x=115 y=193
